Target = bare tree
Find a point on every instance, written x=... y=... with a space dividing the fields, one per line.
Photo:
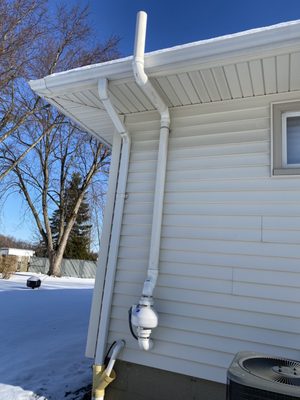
x=46 y=148
x=10 y=241
x=43 y=176
x=21 y=28
x=33 y=45
x=97 y=205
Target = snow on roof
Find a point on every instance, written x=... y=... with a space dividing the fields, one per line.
x=230 y=59
x=16 y=251
x=249 y=38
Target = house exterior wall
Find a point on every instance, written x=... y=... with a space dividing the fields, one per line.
x=136 y=382
x=230 y=256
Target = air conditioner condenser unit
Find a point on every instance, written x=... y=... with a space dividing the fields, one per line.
x=254 y=376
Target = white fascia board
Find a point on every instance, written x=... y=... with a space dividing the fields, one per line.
x=273 y=36
x=39 y=86
x=82 y=77
x=280 y=35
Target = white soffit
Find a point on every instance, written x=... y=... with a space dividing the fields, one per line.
x=251 y=63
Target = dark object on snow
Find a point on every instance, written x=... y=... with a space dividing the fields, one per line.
x=33 y=282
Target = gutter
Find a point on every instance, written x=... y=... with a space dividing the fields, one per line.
x=143 y=316
x=260 y=41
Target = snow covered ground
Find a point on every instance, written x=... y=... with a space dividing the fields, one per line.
x=42 y=338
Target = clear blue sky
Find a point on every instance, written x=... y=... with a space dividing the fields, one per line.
x=177 y=22
x=170 y=23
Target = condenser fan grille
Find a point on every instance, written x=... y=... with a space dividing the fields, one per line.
x=273 y=369
x=254 y=376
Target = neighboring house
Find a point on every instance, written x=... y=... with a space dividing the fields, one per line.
x=229 y=259
x=8 y=251
x=18 y=259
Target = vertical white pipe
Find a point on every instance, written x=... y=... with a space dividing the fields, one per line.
x=143 y=81
x=159 y=198
x=113 y=252
x=116 y=223
x=140 y=37
x=104 y=247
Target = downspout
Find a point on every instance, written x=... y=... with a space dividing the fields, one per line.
x=104 y=247
x=143 y=315
x=103 y=374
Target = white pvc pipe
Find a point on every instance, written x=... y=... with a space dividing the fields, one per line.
x=143 y=81
x=159 y=197
x=116 y=223
x=139 y=73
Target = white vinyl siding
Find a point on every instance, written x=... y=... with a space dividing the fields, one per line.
x=230 y=257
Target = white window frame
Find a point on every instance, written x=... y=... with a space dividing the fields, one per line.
x=285 y=116
x=280 y=111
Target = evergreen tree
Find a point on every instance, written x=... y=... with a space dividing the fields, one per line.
x=78 y=245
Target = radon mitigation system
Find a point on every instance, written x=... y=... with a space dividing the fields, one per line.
x=142 y=316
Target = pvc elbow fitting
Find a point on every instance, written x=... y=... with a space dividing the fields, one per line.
x=138 y=69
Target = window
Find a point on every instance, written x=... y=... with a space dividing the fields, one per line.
x=286 y=138
x=291 y=139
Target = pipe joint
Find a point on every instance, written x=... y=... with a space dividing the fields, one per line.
x=150 y=283
x=102 y=89
x=114 y=116
x=126 y=138
x=103 y=375
x=139 y=74
x=165 y=119
x=145 y=343
x=100 y=381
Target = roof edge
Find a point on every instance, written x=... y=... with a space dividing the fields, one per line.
x=208 y=48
